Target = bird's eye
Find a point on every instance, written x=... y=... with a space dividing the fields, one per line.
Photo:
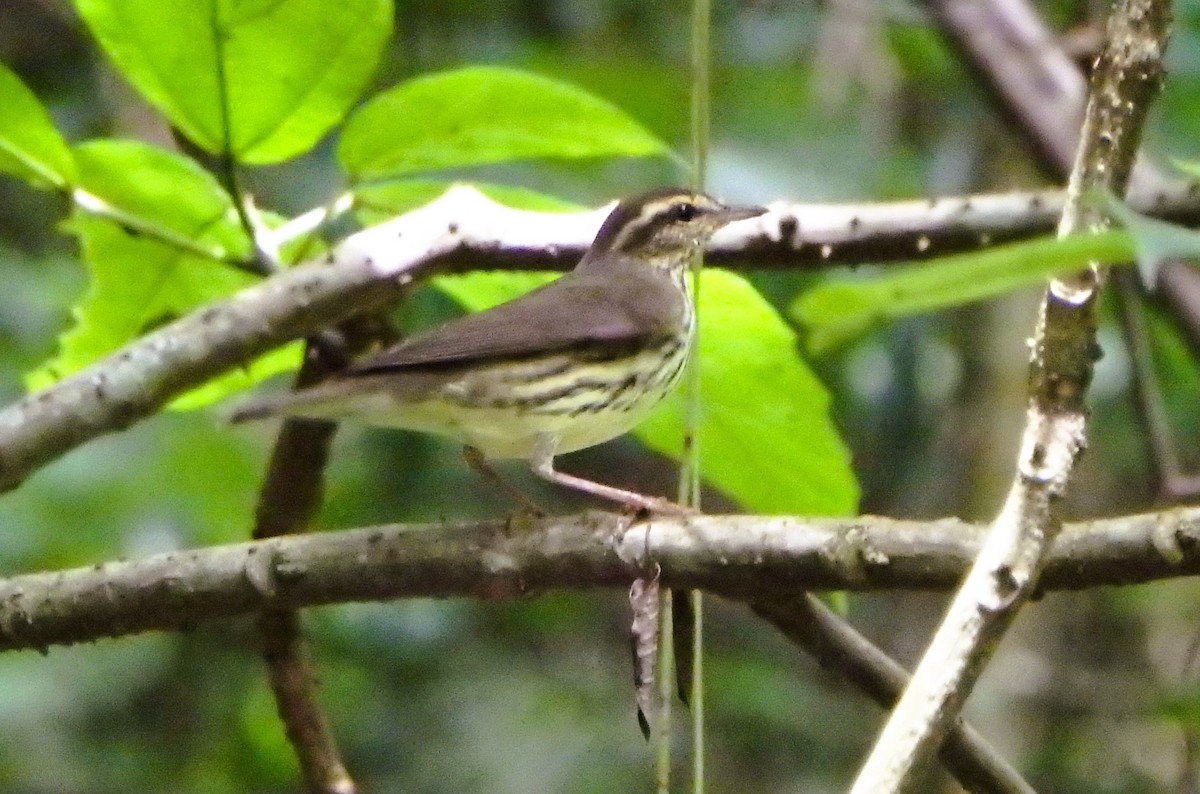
x=685 y=211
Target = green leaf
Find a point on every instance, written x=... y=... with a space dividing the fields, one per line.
x=263 y=79
x=382 y=200
x=481 y=290
x=766 y=438
x=138 y=281
x=839 y=309
x=30 y=146
x=1178 y=369
x=484 y=114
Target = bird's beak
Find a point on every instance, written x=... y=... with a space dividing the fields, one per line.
x=731 y=214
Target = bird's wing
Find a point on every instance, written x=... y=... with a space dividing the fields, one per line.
x=622 y=303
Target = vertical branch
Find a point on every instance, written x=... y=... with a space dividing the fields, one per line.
x=290 y=497
x=1126 y=77
x=1038 y=83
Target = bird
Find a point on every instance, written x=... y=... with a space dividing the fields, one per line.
x=572 y=364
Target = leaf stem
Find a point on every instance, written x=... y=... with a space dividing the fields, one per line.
x=137 y=224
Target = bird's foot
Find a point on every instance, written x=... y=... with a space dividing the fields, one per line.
x=648 y=506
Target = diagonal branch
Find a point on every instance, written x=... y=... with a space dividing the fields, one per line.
x=1036 y=82
x=838 y=647
x=1126 y=78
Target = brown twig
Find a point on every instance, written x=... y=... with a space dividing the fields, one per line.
x=290 y=497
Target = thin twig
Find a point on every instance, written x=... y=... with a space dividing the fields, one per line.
x=288 y=501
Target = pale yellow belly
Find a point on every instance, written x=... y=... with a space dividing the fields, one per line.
x=505 y=411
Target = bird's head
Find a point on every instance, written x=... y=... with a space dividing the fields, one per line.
x=664 y=226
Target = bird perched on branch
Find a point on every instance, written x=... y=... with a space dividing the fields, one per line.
x=570 y=365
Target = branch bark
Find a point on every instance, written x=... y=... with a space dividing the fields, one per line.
x=1126 y=78
x=288 y=500
x=742 y=557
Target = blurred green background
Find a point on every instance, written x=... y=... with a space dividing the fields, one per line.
x=813 y=101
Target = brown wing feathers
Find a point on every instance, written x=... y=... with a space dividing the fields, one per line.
x=573 y=312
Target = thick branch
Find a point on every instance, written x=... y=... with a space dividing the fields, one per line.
x=743 y=557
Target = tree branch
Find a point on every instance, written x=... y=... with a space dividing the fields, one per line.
x=288 y=500
x=1034 y=80
x=742 y=557
x=1126 y=78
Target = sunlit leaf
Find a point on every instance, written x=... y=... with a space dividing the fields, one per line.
x=30 y=146
x=138 y=281
x=263 y=79
x=766 y=437
x=484 y=114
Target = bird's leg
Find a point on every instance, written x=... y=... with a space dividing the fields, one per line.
x=543 y=466
x=479 y=464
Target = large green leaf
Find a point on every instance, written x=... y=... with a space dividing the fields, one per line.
x=263 y=79
x=138 y=281
x=30 y=146
x=766 y=438
x=484 y=114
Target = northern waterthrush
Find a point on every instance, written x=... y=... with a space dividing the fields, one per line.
x=567 y=366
